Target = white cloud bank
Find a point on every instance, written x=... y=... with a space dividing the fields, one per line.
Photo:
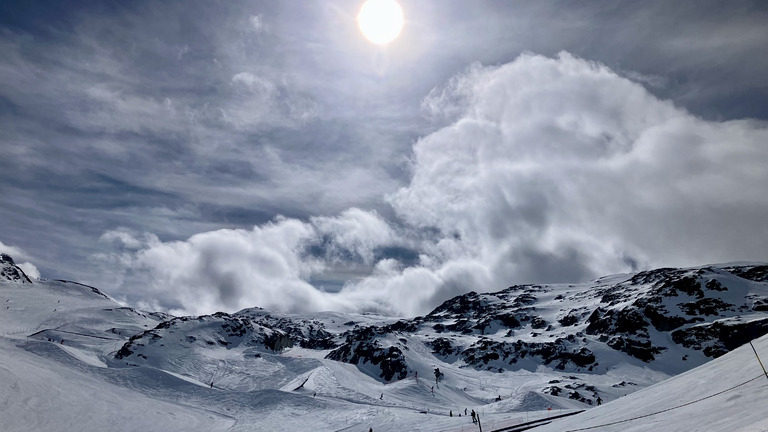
x=552 y=170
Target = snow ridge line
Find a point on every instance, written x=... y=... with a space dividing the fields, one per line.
x=17 y=331
x=74 y=333
x=668 y=409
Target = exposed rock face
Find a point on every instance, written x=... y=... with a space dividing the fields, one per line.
x=304 y=333
x=9 y=271
x=561 y=353
x=362 y=346
x=720 y=337
x=217 y=330
x=754 y=273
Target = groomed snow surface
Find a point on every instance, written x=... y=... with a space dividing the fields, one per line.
x=58 y=373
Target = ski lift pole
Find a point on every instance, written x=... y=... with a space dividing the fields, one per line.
x=758 y=359
x=478 y=422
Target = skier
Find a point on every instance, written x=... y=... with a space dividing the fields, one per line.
x=382 y=396
x=473 y=417
x=599 y=401
x=211 y=384
x=450 y=414
x=465 y=411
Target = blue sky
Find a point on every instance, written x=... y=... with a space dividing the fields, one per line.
x=203 y=156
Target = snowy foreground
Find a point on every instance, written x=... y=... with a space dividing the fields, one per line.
x=727 y=394
x=59 y=372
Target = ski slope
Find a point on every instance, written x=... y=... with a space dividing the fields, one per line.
x=40 y=394
x=725 y=394
x=59 y=372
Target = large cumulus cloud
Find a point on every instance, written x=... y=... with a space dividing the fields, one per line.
x=548 y=170
x=559 y=169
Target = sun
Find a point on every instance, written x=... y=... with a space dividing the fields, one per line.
x=380 y=21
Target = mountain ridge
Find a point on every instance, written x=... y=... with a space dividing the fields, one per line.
x=669 y=320
x=525 y=348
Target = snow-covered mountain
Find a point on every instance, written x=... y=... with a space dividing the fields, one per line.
x=511 y=356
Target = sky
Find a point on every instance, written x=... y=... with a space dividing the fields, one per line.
x=204 y=156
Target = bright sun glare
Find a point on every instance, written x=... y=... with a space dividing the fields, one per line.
x=380 y=20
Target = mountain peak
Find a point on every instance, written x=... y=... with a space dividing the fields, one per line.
x=5 y=258
x=10 y=271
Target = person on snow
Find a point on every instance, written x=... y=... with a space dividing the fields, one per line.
x=450 y=414
x=599 y=401
x=474 y=420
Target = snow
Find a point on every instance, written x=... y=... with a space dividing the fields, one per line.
x=39 y=394
x=713 y=407
x=47 y=385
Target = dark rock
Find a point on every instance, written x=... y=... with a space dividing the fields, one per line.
x=361 y=346
x=568 y=320
x=719 y=337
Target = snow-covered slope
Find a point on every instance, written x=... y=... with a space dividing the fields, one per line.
x=56 y=336
x=523 y=353
x=583 y=338
x=726 y=394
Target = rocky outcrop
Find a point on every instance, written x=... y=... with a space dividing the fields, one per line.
x=9 y=271
x=305 y=333
x=562 y=354
x=720 y=337
x=362 y=347
x=210 y=331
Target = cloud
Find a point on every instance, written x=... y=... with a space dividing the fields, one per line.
x=13 y=251
x=257 y=23
x=268 y=266
x=354 y=233
x=559 y=169
x=124 y=238
x=30 y=270
x=551 y=170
